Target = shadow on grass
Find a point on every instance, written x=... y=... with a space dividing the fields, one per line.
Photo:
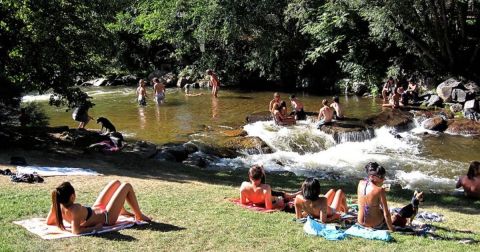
x=154 y=226
x=160 y=227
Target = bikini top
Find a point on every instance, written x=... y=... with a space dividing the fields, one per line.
x=366 y=196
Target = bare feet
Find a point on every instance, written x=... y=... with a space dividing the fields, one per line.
x=143 y=218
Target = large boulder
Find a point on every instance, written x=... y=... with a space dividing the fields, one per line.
x=170 y=79
x=182 y=81
x=434 y=101
x=436 y=123
x=444 y=89
x=130 y=80
x=459 y=95
x=99 y=82
x=392 y=118
x=178 y=151
x=81 y=138
x=196 y=161
x=471 y=104
x=359 y=88
x=156 y=74
x=463 y=127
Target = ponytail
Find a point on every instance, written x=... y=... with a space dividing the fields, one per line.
x=61 y=195
x=58 y=210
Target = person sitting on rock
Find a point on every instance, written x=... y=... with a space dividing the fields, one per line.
x=297 y=106
x=387 y=89
x=326 y=208
x=395 y=99
x=259 y=193
x=276 y=100
x=325 y=115
x=471 y=182
x=280 y=118
x=372 y=201
x=411 y=92
x=338 y=109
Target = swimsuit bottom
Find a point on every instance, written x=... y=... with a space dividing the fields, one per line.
x=159 y=97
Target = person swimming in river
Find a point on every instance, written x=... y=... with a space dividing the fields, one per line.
x=298 y=110
x=326 y=208
x=257 y=192
x=373 y=209
x=325 y=115
x=277 y=100
x=471 y=182
x=141 y=93
x=281 y=119
x=105 y=211
x=338 y=109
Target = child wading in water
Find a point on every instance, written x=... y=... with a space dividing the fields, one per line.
x=141 y=93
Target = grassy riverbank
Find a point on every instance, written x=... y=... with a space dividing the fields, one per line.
x=191 y=213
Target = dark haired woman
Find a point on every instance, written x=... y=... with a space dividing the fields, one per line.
x=108 y=206
x=471 y=182
x=259 y=193
x=372 y=201
x=325 y=208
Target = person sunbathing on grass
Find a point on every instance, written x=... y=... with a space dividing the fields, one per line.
x=325 y=208
x=259 y=193
x=372 y=202
x=108 y=206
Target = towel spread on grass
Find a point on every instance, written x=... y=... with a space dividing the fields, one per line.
x=253 y=207
x=368 y=233
x=56 y=171
x=49 y=232
x=424 y=216
x=329 y=232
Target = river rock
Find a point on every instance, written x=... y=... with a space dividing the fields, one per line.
x=444 y=89
x=348 y=132
x=359 y=88
x=130 y=80
x=156 y=74
x=471 y=104
x=434 y=101
x=99 y=82
x=459 y=95
x=392 y=118
x=472 y=87
x=81 y=138
x=235 y=133
x=182 y=81
x=178 y=151
x=165 y=156
x=196 y=161
x=259 y=116
x=457 y=107
x=463 y=127
x=230 y=147
x=436 y=123
x=190 y=147
x=170 y=79
x=143 y=148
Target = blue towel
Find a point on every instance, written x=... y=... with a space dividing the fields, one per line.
x=328 y=232
x=368 y=233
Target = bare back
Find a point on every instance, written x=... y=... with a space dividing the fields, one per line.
x=470 y=186
x=326 y=113
x=159 y=88
x=370 y=214
x=338 y=109
x=254 y=194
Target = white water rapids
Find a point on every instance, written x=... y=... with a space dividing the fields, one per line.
x=305 y=150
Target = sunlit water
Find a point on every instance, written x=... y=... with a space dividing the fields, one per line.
x=416 y=161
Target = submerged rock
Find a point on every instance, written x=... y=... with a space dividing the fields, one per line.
x=463 y=127
x=392 y=118
x=342 y=132
x=436 y=123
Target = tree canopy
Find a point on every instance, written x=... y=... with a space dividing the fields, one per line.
x=53 y=45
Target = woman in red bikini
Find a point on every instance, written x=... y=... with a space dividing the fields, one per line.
x=108 y=206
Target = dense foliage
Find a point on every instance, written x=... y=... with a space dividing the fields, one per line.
x=52 y=45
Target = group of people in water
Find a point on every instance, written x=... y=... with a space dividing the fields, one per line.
x=278 y=109
x=160 y=84
x=395 y=96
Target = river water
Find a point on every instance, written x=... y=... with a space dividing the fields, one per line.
x=416 y=161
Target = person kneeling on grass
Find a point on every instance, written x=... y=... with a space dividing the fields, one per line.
x=259 y=193
x=372 y=201
x=108 y=206
x=325 y=208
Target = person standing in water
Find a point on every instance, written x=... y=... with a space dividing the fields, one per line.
x=214 y=82
x=387 y=89
x=141 y=93
x=159 y=89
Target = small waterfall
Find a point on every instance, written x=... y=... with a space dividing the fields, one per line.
x=354 y=136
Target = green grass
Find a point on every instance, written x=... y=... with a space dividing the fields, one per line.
x=191 y=212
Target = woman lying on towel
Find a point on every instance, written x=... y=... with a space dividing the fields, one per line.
x=372 y=202
x=259 y=193
x=325 y=208
x=108 y=206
